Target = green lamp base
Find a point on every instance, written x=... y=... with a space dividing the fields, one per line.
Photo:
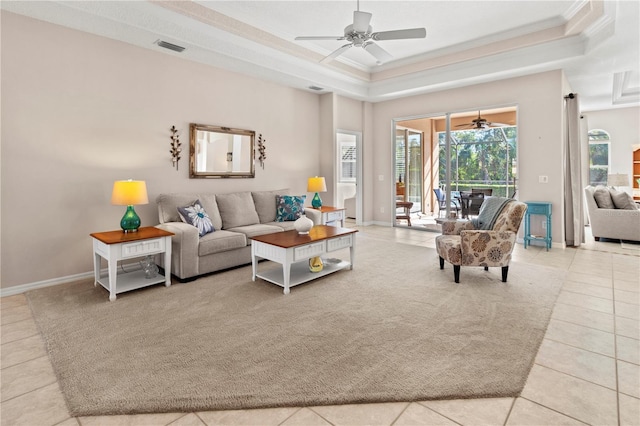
x=130 y=221
x=316 y=202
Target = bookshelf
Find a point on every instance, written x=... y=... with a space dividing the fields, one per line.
x=636 y=174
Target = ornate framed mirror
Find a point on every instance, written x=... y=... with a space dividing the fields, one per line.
x=220 y=152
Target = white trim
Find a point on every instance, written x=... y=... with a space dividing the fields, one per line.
x=13 y=290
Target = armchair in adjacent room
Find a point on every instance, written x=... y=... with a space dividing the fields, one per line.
x=487 y=241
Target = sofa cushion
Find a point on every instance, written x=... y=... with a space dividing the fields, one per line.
x=265 y=202
x=286 y=226
x=168 y=205
x=257 y=229
x=237 y=209
x=196 y=215
x=289 y=207
x=602 y=195
x=622 y=200
x=219 y=241
x=209 y=203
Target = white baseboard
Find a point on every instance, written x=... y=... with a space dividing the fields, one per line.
x=10 y=291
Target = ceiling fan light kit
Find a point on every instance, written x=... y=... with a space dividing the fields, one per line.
x=360 y=34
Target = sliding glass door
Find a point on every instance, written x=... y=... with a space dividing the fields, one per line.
x=408 y=167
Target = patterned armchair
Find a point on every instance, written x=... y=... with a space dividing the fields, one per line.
x=462 y=245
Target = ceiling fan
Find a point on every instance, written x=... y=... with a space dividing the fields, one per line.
x=481 y=123
x=360 y=34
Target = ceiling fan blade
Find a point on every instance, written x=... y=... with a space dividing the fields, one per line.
x=378 y=52
x=400 y=34
x=499 y=124
x=361 y=21
x=465 y=125
x=320 y=38
x=336 y=53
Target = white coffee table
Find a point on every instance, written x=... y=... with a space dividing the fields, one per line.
x=293 y=251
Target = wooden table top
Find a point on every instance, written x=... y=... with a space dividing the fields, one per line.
x=143 y=233
x=327 y=209
x=288 y=239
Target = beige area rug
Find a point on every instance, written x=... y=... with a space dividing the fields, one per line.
x=396 y=328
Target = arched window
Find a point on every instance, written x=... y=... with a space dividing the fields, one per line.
x=599 y=144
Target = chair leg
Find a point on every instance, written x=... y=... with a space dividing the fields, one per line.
x=486 y=268
x=505 y=271
x=441 y=262
x=456 y=273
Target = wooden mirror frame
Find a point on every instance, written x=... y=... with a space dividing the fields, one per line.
x=206 y=165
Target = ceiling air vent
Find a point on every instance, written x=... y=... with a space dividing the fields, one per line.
x=170 y=46
x=315 y=88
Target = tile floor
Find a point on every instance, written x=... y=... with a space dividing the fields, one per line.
x=587 y=370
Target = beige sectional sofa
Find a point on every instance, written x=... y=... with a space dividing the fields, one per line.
x=236 y=217
x=614 y=217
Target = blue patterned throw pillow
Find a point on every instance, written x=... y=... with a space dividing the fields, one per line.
x=196 y=216
x=289 y=207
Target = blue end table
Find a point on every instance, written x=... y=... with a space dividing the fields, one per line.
x=539 y=208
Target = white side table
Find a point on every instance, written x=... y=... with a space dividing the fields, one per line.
x=331 y=215
x=115 y=246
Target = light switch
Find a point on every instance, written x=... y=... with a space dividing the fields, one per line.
x=543 y=179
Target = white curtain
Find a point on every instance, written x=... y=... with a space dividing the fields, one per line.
x=573 y=185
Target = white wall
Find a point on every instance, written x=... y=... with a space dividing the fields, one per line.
x=81 y=111
x=539 y=99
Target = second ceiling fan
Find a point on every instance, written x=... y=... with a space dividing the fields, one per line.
x=481 y=123
x=360 y=34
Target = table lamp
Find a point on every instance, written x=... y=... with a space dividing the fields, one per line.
x=618 y=179
x=129 y=193
x=316 y=184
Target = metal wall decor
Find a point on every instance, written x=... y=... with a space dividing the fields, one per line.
x=261 y=150
x=175 y=147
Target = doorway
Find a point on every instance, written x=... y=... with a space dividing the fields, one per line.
x=348 y=174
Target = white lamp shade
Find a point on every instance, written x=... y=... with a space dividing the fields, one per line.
x=618 y=179
x=129 y=193
x=316 y=184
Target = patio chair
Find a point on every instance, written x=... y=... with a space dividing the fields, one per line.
x=442 y=202
x=461 y=244
x=471 y=203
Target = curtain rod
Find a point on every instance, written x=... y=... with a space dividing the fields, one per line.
x=570 y=96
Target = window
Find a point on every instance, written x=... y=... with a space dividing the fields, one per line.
x=347 y=162
x=481 y=159
x=599 y=144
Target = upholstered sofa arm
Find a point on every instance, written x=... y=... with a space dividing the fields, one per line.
x=314 y=215
x=455 y=226
x=184 y=248
x=486 y=248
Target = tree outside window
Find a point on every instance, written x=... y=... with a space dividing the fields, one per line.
x=481 y=159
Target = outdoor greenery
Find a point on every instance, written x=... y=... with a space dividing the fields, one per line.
x=481 y=158
x=598 y=157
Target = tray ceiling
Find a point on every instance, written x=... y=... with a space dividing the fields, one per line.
x=468 y=42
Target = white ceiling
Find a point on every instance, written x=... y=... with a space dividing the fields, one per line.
x=468 y=42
